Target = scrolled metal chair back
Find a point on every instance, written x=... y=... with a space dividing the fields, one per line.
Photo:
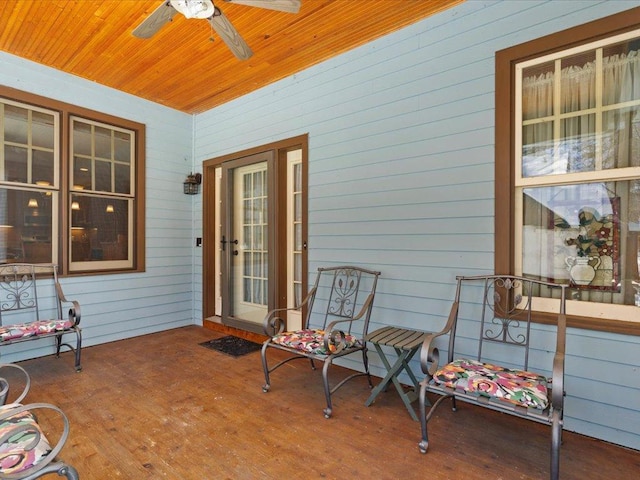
x=17 y=288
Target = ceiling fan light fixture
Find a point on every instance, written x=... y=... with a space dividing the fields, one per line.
x=194 y=8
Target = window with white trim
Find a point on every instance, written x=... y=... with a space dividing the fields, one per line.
x=101 y=196
x=78 y=206
x=577 y=174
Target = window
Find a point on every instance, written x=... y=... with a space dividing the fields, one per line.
x=573 y=192
x=71 y=186
x=29 y=191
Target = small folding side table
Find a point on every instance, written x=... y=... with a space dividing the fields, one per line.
x=406 y=343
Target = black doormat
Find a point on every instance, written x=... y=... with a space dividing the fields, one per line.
x=231 y=345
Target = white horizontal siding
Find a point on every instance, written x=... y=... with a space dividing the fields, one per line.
x=401 y=156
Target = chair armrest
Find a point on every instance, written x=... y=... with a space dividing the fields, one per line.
x=273 y=323
x=336 y=337
x=557 y=376
x=429 y=352
x=10 y=430
x=5 y=387
x=74 y=312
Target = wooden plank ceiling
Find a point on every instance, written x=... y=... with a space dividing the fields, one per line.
x=180 y=66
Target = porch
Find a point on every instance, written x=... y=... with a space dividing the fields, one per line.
x=161 y=406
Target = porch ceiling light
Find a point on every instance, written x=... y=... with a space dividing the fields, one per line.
x=194 y=8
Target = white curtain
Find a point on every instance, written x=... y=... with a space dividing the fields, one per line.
x=578 y=147
x=576 y=151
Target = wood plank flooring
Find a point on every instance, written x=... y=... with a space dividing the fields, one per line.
x=163 y=407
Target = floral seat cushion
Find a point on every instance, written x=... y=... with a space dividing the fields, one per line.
x=22 y=443
x=311 y=341
x=40 y=327
x=519 y=387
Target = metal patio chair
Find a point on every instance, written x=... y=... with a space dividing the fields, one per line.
x=336 y=314
x=489 y=364
x=25 y=451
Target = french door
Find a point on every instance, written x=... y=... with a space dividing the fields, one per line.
x=255 y=235
x=245 y=240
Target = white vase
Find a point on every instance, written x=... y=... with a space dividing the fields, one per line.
x=581 y=271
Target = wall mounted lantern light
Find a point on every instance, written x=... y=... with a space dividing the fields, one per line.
x=192 y=183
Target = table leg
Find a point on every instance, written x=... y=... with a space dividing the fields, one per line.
x=402 y=363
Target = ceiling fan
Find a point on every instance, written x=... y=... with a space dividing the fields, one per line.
x=205 y=9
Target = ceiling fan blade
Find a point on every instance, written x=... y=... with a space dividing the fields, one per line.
x=291 y=6
x=230 y=35
x=154 y=22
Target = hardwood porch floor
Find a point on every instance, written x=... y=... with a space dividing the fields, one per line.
x=161 y=406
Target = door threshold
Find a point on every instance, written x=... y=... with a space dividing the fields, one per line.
x=215 y=324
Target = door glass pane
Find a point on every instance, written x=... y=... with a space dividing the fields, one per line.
x=249 y=270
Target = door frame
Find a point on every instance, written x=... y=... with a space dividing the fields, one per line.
x=278 y=267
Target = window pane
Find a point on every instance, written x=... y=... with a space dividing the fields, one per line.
x=256 y=211
x=246 y=271
x=123 y=179
x=82 y=174
x=28 y=144
x=578 y=82
x=99 y=229
x=593 y=125
x=621 y=138
x=81 y=138
x=26 y=228
x=259 y=186
x=103 y=142
x=246 y=210
x=577 y=147
x=42 y=130
x=103 y=176
x=107 y=154
x=297 y=237
x=122 y=147
x=15 y=164
x=537 y=91
x=16 y=126
x=586 y=235
x=620 y=66
x=43 y=164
